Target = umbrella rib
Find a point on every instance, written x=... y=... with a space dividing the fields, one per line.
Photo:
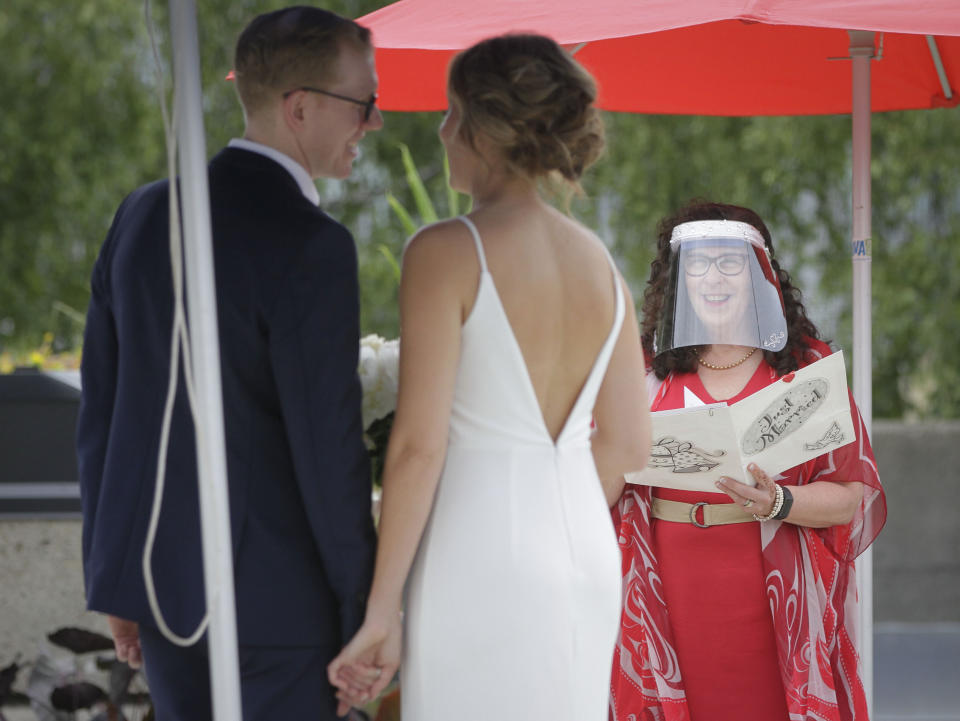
x=938 y=64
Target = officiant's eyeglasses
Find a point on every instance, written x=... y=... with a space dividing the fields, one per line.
x=367 y=105
x=728 y=264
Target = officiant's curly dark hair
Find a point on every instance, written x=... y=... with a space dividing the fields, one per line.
x=533 y=100
x=684 y=360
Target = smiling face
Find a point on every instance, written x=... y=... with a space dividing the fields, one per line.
x=718 y=284
x=333 y=128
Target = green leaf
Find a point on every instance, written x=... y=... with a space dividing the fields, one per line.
x=391 y=259
x=421 y=198
x=409 y=227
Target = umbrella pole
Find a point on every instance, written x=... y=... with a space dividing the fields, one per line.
x=861 y=53
x=202 y=310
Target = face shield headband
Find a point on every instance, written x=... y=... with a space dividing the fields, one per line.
x=721 y=289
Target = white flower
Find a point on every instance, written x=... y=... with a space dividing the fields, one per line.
x=379 y=373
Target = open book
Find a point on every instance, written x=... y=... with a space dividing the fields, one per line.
x=799 y=417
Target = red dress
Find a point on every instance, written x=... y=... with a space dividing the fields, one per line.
x=746 y=621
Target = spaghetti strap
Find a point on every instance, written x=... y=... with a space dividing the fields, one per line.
x=619 y=309
x=476 y=239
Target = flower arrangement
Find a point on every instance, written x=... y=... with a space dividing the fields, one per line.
x=379 y=373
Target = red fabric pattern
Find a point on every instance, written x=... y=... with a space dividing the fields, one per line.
x=809 y=581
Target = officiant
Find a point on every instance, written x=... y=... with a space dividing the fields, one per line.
x=739 y=604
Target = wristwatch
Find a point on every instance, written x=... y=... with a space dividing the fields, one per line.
x=787 y=504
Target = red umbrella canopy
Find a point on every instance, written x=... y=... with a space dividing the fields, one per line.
x=704 y=57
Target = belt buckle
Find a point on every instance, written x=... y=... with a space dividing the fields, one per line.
x=693 y=515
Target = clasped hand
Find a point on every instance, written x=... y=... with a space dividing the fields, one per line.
x=367 y=664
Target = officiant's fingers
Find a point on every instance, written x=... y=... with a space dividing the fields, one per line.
x=741 y=493
x=766 y=486
x=760 y=475
x=735 y=489
x=764 y=482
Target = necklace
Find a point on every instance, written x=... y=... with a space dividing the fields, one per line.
x=711 y=366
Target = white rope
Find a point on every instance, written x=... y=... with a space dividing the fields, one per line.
x=179 y=342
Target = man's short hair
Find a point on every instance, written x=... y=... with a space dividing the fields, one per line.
x=289 y=48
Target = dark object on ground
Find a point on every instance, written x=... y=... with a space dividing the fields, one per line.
x=80 y=640
x=76 y=696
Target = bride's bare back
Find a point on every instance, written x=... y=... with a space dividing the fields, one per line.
x=557 y=289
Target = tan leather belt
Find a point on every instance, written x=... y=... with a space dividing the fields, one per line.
x=713 y=514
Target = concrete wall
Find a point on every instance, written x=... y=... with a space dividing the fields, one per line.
x=916 y=558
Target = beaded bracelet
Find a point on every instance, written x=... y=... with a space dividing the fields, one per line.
x=787 y=504
x=777 y=505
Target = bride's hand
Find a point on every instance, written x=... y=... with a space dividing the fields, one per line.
x=367 y=664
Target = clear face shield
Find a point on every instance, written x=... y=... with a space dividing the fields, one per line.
x=721 y=290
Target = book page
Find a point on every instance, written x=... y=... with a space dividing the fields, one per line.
x=793 y=420
x=797 y=418
x=692 y=448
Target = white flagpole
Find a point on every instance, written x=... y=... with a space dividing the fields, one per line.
x=202 y=314
x=862 y=52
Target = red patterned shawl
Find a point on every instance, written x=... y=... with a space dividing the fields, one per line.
x=810 y=583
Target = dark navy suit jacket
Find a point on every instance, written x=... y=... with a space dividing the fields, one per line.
x=298 y=474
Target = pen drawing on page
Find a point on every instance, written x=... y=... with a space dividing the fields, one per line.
x=833 y=437
x=682 y=456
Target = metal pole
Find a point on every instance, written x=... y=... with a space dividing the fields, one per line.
x=861 y=52
x=202 y=314
x=938 y=64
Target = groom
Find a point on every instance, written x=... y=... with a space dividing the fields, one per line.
x=287 y=298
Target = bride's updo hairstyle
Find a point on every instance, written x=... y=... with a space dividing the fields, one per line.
x=534 y=102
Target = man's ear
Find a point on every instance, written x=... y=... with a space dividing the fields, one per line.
x=293 y=109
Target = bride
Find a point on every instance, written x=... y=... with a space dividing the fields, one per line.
x=521 y=405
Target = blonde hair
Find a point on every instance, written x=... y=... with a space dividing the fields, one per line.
x=289 y=48
x=533 y=100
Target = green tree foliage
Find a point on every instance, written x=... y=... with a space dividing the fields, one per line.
x=80 y=128
x=916 y=264
x=77 y=126
x=796 y=173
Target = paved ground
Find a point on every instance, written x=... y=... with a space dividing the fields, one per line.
x=916 y=672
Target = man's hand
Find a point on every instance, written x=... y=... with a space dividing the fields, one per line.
x=126 y=639
x=366 y=665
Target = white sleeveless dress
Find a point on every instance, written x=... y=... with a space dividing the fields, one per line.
x=513 y=602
